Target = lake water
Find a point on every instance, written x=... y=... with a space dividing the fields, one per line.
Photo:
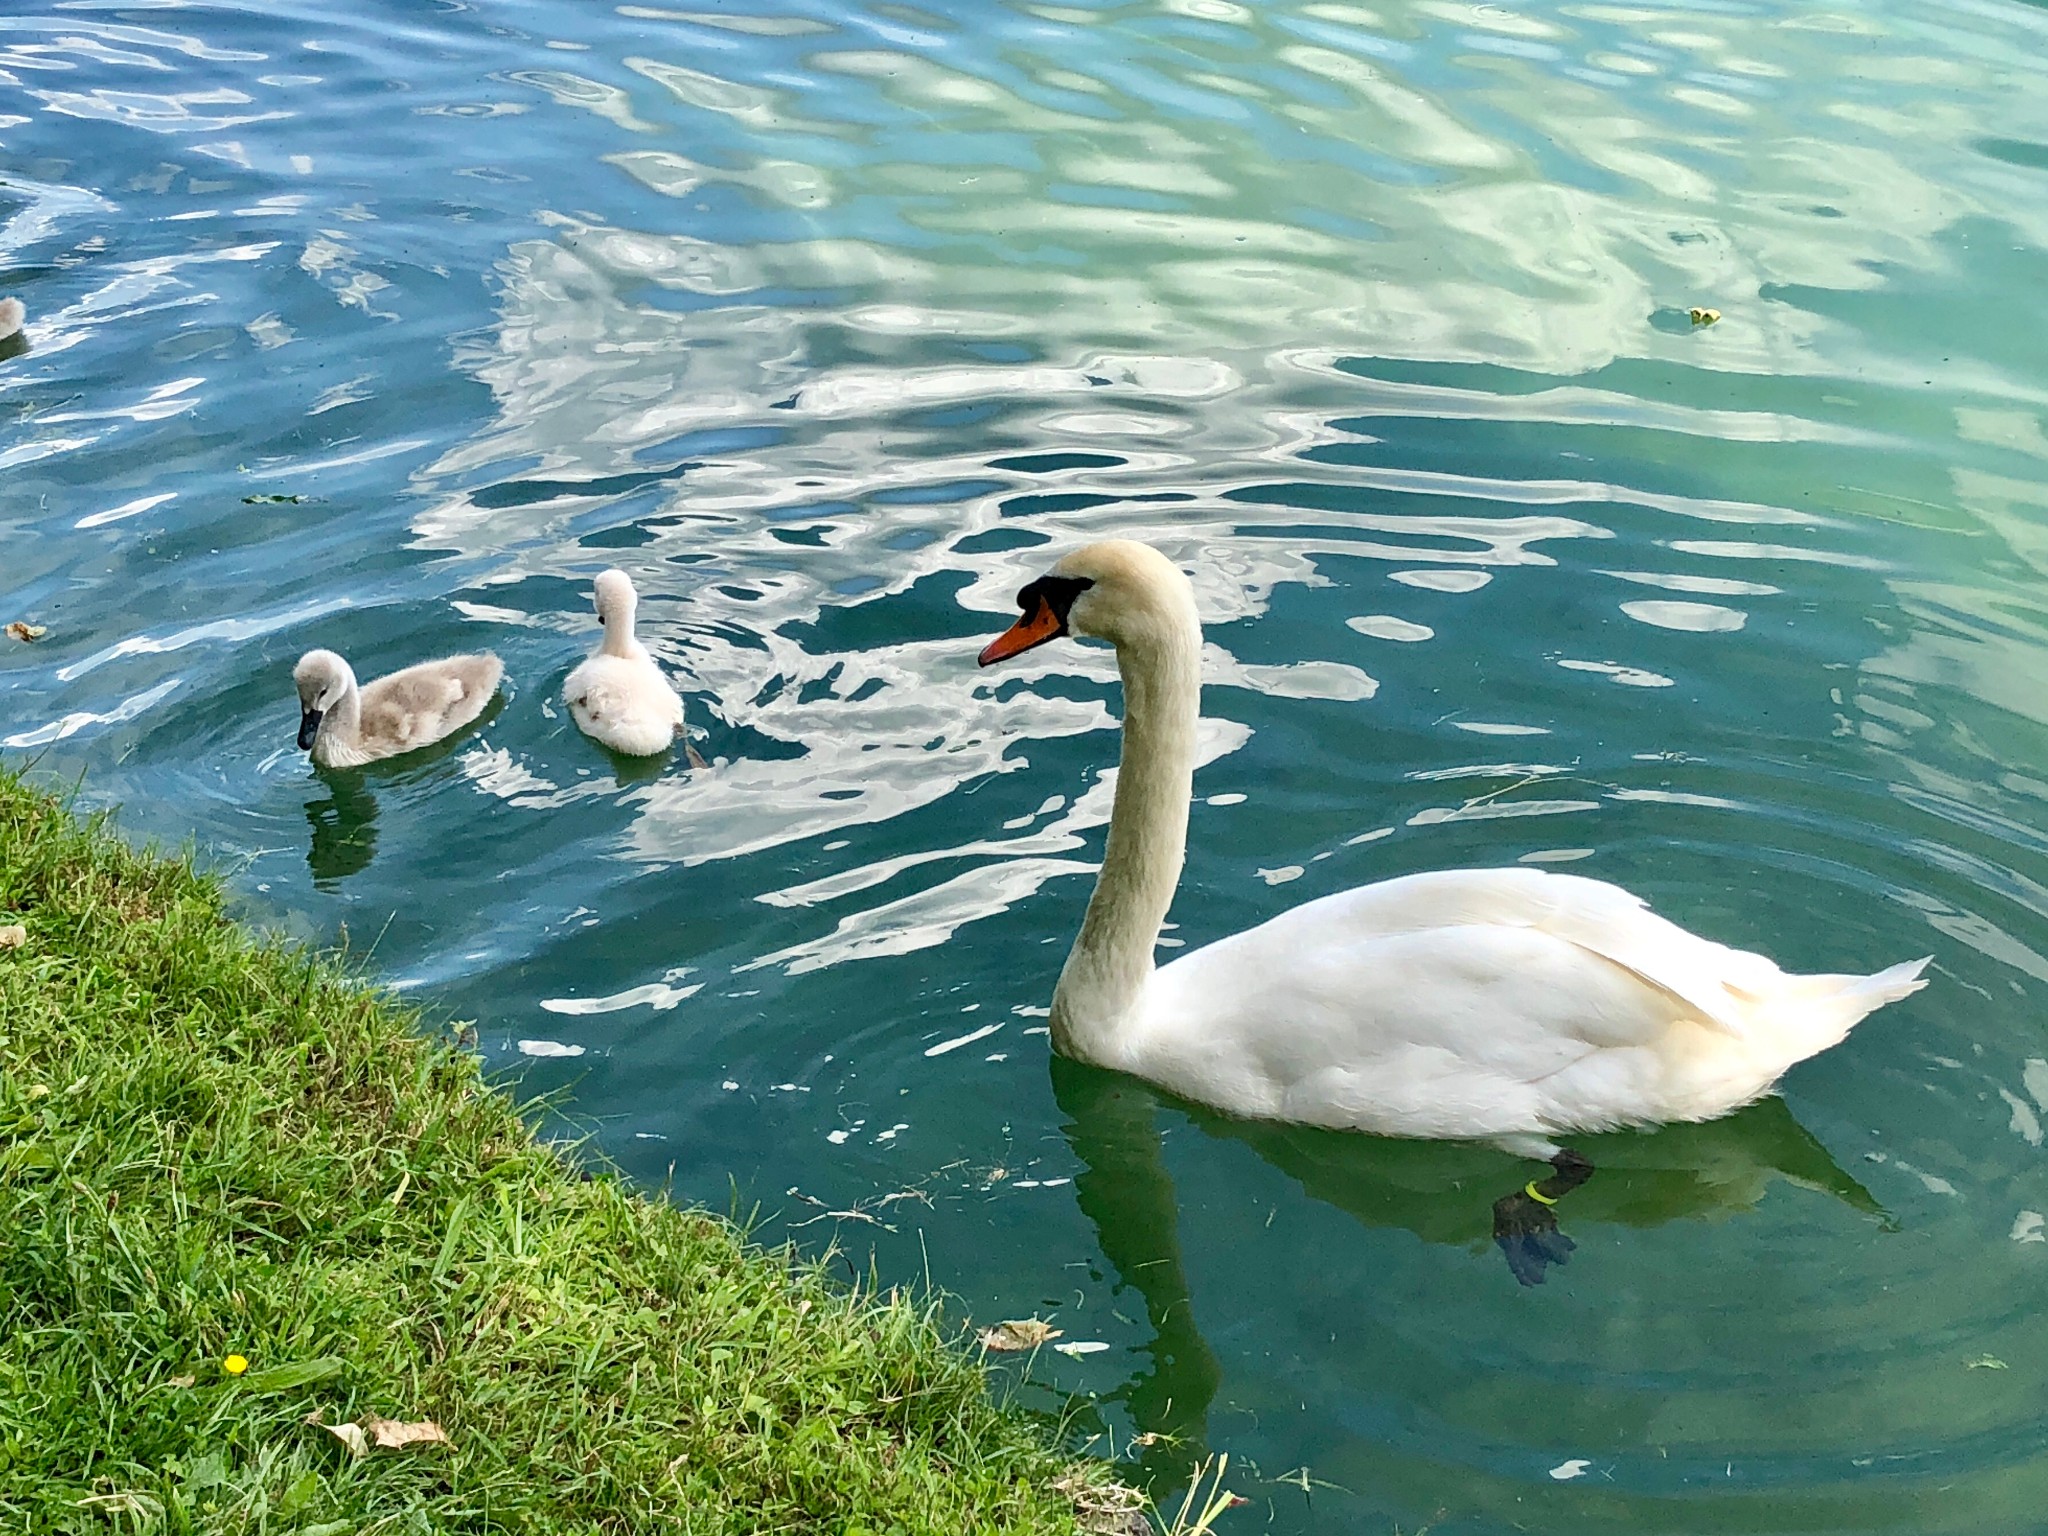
x=385 y=327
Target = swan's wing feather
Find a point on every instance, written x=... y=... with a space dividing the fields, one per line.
x=625 y=703
x=1717 y=984
x=1720 y=984
x=423 y=703
x=619 y=685
x=1354 y=1013
x=595 y=695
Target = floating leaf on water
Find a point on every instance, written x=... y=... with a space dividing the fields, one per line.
x=274 y=499
x=1704 y=316
x=548 y=1048
x=1081 y=1347
x=13 y=936
x=19 y=630
x=1016 y=1334
x=392 y=1435
x=1988 y=1363
x=1565 y=1471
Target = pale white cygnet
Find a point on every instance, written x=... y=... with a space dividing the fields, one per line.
x=618 y=696
x=344 y=726
x=13 y=316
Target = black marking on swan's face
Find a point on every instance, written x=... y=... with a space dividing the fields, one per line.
x=1046 y=604
x=1056 y=592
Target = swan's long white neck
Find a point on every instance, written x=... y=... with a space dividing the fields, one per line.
x=1095 y=1005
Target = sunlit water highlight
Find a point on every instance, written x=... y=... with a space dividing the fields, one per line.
x=366 y=327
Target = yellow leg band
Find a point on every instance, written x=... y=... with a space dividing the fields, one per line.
x=1536 y=1194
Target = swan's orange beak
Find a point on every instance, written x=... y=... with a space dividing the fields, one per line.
x=1021 y=636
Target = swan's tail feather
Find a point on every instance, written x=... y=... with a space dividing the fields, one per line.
x=1819 y=1010
x=1889 y=984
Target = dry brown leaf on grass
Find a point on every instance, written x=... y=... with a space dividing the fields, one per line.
x=374 y=1433
x=350 y=1435
x=13 y=936
x=26 y=632
x=392 y=1435
x=1017 y=1333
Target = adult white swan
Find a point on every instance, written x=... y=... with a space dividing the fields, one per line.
x=1507 y=1005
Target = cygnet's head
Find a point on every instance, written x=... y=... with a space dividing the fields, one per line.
x=322 y=678
x=1118 y=590
x=613 y=593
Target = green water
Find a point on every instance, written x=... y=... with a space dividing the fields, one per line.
x=833 y=324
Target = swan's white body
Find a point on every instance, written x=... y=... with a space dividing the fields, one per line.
x=1510 y=1005
x=618 y=697
x=1483 y=1003
x=345 y=726
x=13 y=316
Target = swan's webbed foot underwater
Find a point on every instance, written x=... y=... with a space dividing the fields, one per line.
x=1525 y=1225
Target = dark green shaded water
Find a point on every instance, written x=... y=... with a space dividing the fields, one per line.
x=831 y=325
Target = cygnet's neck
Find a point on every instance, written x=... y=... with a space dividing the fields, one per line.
x=338 y=741
x=619 y=639
x=1100 y=987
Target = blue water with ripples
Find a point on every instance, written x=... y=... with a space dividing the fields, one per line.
x=386 y=326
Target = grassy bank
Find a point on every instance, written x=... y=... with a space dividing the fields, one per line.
x=243 y=1198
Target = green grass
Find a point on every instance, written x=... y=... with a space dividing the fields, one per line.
x=211 y=1144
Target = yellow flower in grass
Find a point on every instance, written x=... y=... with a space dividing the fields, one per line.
x=234 y=1365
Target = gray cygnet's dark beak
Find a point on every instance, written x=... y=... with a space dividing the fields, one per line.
x=309 y=727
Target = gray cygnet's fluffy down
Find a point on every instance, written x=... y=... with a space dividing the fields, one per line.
x=344 y=725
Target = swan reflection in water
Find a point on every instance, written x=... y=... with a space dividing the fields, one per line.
x=343 y=819
x=344 y=827
x=1443 y=1192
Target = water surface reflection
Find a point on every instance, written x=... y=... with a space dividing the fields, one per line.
x=1442 y=1193
x=828 y=322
